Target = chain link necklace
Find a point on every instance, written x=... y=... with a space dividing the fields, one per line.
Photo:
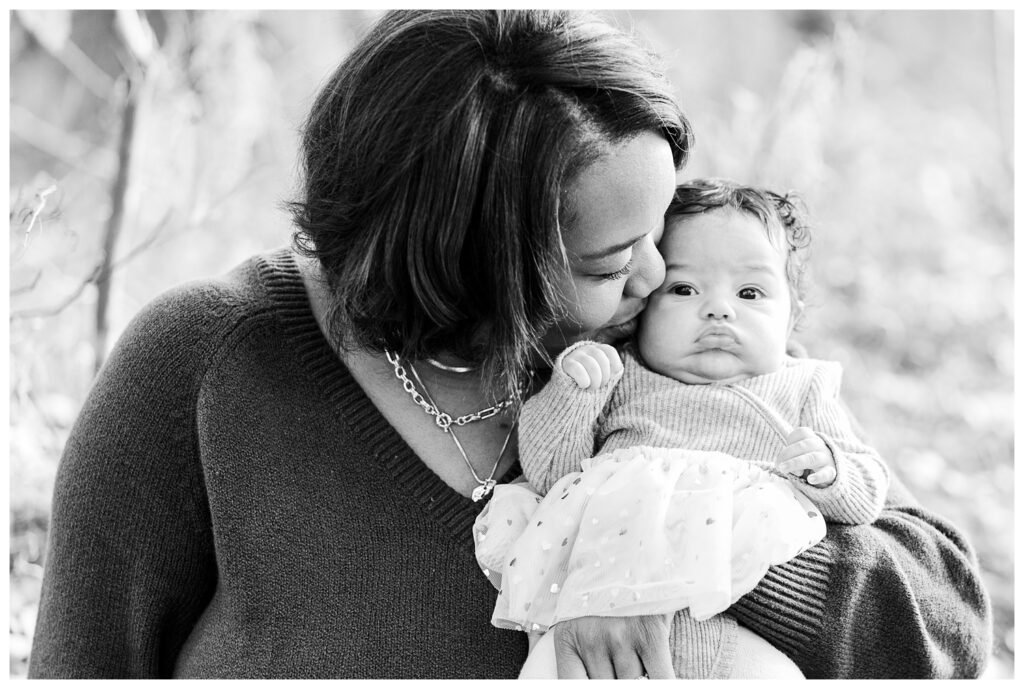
x=445 y=422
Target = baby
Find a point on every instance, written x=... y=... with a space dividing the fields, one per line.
x=675 y=475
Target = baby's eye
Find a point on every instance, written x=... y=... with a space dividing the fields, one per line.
x=750 y=293
x=684 y=290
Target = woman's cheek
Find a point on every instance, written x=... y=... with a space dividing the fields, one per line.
x=599 y=304
x=592 y=309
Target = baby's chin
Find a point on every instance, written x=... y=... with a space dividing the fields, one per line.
x=723 y=369
x=693 y=378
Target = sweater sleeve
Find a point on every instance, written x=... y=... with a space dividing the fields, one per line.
x=558 y=427
x=899 y=598
x=129 y=565
x=858 y=492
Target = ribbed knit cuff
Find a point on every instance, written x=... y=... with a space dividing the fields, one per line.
x=702 y=650
x=787 y=607
x=850 y=499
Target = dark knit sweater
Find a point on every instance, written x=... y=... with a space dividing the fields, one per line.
x=231 y=504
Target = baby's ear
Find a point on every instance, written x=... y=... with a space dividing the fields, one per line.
x=795 y=349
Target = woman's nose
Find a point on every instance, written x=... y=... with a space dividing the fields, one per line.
x=649 y=269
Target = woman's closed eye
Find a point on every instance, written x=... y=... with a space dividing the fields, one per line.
x=618 y=274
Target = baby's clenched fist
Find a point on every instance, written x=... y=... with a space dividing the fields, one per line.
x=807 y=456
x=592 y=365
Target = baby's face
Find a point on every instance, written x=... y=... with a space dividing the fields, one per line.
x=723 y=312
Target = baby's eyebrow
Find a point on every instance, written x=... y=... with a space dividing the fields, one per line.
x=758 y=268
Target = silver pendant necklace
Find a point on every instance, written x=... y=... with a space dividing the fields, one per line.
x=451 y=369
x=445 y=422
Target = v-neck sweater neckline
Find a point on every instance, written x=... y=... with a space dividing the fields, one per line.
x=279 y=271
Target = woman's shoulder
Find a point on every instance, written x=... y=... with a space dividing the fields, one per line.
x=201 y=314
x=254 y=286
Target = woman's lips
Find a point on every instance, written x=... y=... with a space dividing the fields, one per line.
x=624 y=328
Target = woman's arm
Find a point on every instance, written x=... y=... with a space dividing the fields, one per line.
x=129 y=565
x=899 y=598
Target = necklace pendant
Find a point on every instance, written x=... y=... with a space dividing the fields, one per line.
x=482 y=491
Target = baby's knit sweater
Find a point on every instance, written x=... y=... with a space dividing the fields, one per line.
x=563 y=424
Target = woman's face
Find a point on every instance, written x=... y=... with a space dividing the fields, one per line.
x=618 y=205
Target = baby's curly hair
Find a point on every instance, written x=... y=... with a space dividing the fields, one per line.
x=784 y=217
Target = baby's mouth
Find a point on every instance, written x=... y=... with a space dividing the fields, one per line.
x=717 y=338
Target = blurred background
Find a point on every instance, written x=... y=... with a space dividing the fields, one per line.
x=150 y=148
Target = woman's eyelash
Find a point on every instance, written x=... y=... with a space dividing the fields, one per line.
x=618 y=274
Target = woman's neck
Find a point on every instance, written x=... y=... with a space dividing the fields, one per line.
x=448 y=387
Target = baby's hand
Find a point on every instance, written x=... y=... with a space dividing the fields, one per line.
x=807 y=456
x=592 y=365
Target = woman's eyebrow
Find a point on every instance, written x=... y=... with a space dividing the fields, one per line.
x=747 y=267
x=608 y=251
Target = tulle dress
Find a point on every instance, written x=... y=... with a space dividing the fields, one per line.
x=639 y=531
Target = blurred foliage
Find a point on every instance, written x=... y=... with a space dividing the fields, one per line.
x=895 y=126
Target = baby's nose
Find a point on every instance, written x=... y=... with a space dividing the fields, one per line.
x=718 y=309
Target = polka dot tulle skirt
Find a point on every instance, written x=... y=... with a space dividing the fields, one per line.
x=639 y=531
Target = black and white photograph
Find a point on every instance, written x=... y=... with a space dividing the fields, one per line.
x=511 y=343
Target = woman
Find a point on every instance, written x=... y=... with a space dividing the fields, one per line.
x=274 y=473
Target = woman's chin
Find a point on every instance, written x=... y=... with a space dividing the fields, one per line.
x=613 y=334
x=555 y=341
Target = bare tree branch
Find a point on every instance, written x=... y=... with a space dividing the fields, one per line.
x=53 y=31
x=149 y=241
x=61 y=145
x=137 y=37
x=79 y=64
x=116 y=220
x=25 y=289
x=66 y=302
x=40 y=204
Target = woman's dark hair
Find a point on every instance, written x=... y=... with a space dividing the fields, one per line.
x=784 y=217
x=436 y=160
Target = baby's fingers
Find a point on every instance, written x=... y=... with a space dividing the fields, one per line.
x=579 y=369
x=823 y=477
x=592 y=365
x=613 y=358
x=809 y=461
x=801 y=441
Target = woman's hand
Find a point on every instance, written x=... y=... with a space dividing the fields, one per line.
x=613 y=648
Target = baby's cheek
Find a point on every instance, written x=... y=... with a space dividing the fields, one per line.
x=655 y=353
